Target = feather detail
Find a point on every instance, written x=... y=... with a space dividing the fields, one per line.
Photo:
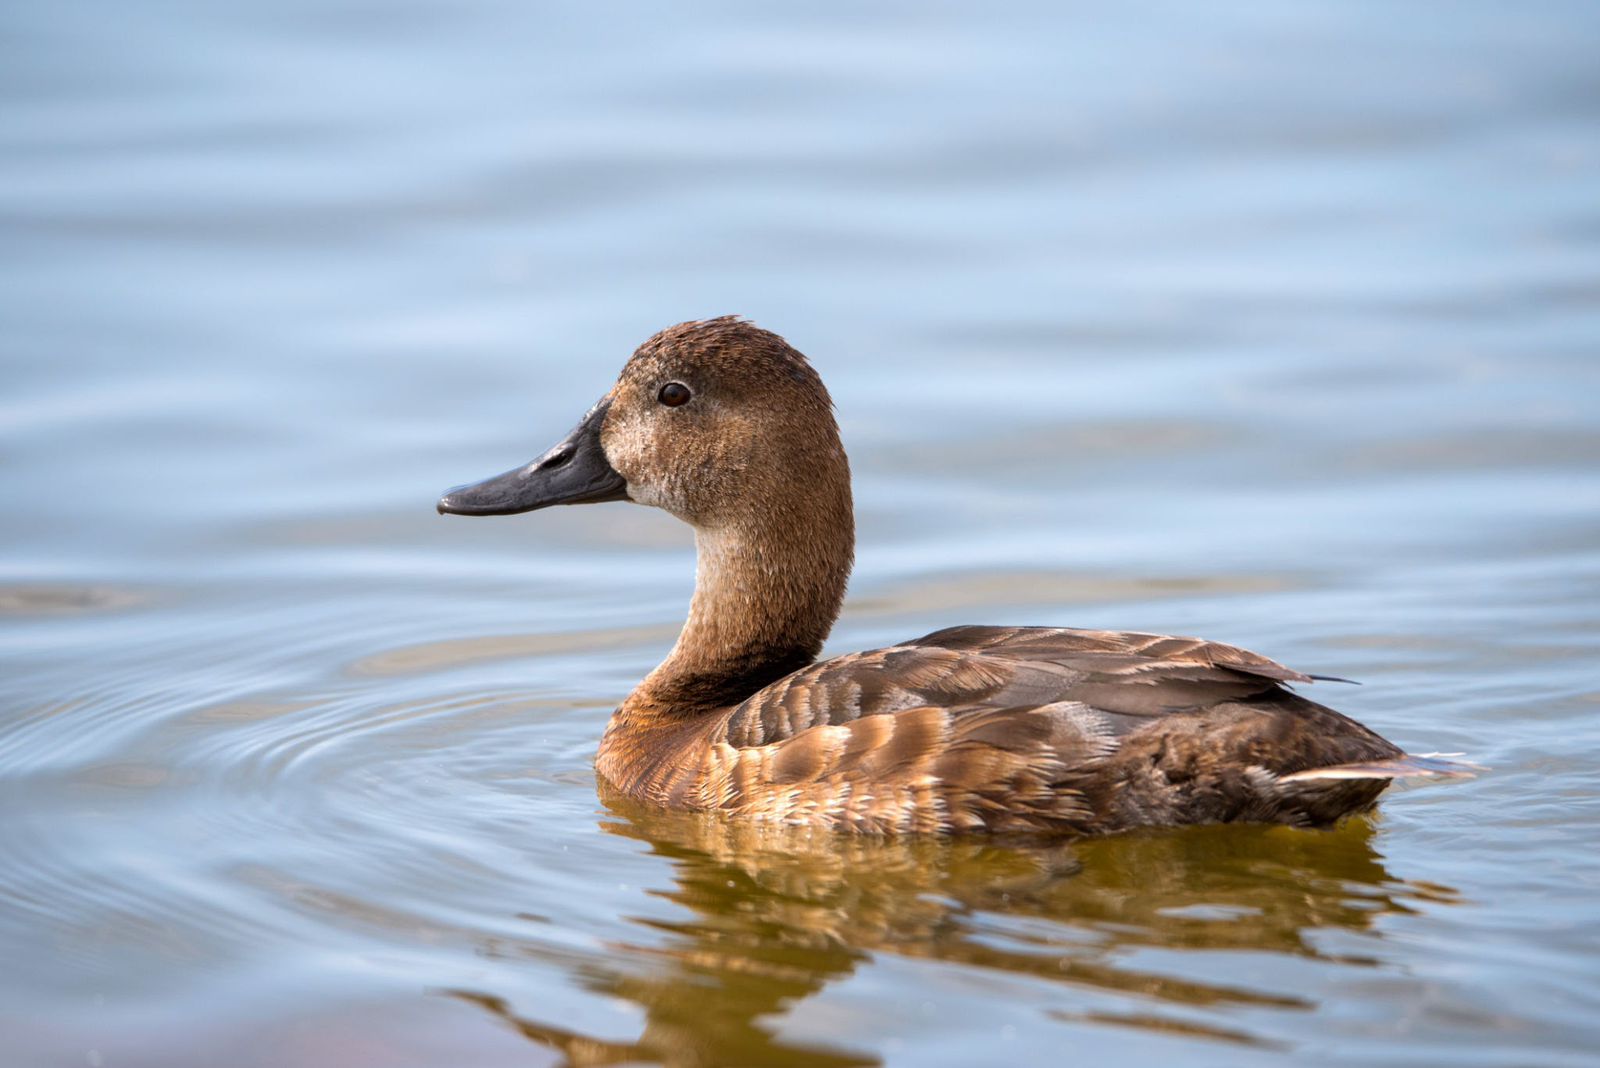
x=1030 y=730
x=1405 y=766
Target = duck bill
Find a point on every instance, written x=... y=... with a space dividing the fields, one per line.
x=575 y=471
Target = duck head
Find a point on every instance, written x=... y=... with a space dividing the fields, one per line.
x=716 y=421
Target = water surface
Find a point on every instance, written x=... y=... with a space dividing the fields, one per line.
x=1278 y=324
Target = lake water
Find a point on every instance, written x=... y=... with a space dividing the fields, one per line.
x=1275 y=323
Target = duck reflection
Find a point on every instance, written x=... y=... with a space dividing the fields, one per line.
x=777 y=914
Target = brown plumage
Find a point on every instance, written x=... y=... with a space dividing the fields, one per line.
x=1026 y=730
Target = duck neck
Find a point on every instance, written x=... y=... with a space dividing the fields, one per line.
x=767 y=591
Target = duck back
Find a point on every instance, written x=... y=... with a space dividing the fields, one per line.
x=1016 y=730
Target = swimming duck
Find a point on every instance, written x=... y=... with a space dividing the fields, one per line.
x=1022 y=730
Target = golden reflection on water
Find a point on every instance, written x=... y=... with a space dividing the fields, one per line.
x=776 y=915
x=461 y=652
x=36 y=600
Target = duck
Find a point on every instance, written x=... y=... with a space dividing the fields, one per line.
x=1001 y=730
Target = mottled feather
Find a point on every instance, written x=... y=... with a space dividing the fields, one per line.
x=1034 y=730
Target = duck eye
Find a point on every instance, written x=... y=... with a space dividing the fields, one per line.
x=674 y=394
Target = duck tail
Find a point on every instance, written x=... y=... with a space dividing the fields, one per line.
x=1404 y=766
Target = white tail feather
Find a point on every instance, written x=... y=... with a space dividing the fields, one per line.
x=1408 y=766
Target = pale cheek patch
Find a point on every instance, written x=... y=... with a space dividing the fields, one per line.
x=630 y=449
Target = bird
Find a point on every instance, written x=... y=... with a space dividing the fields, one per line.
x=1001 y=730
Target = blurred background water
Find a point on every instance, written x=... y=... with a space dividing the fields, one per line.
x=1276 y=323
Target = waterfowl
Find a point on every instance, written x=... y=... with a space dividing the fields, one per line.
x=1008 y=730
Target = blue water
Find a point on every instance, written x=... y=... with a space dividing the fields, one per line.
x=1275 y=323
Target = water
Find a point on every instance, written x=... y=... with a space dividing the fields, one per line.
x=1274 y=323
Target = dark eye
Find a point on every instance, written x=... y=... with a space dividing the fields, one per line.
x=674 y=394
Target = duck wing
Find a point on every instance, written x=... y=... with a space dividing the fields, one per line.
x=1047 y=730
x=971 y=667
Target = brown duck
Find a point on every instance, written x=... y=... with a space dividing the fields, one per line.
x=1033 y=730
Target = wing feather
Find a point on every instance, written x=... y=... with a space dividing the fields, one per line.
x=975 y=668
x=1036 y=729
